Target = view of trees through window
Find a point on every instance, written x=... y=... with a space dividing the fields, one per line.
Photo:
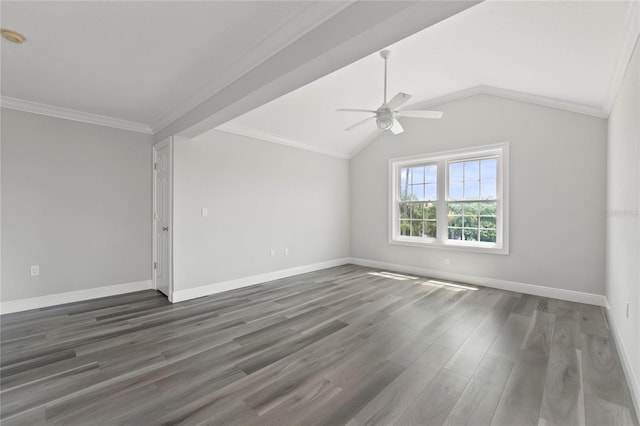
x=472 y=221
x=418 y=193
x=471 y=204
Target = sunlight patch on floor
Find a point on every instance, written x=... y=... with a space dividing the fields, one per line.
x=393 y=275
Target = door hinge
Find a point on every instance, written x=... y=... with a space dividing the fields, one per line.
x=155 y=265
x=155 y=216
x=155 y=166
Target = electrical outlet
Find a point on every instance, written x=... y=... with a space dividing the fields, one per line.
x=286 y=251
x=447 y=261
x=272 y=253
x=205 y=212
x=35 y=270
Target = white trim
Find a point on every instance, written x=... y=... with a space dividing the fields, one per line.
x=627 y=366
x=631 y=36
x=533 y=289
x=515 y=95
x=72 y=296
x=207 y=290
x=72 y=114
x=258 y=134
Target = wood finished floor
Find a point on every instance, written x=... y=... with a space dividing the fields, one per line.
x=347 y=345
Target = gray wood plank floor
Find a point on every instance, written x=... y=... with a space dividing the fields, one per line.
x=346 y=345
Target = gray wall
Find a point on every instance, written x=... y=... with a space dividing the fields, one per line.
x=76 y=200
x=557 y=192
x=260 y=196
x=623 y=219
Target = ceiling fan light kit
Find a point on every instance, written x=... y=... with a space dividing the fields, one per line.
x=386 y=116
x=384 y=120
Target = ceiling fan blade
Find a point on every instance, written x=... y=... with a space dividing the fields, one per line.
x=357 y=110
x=360 y=123
x=396 y=128
x=396 y=101
x=420 y=114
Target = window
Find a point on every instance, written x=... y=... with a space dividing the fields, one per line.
x=454 y=199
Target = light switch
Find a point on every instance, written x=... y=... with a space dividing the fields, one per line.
x=205 y=212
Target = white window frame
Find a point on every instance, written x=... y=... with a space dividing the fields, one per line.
x=442 y=159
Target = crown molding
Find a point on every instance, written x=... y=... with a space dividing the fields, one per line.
x=71 y=114
x=514 y=95
x=268 y=137
x=631 y=37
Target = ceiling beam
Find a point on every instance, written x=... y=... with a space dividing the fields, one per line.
x=357 y=31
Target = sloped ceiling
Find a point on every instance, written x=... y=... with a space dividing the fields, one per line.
x=180 y=67
x=563 y=54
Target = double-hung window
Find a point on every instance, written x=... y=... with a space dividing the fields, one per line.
x=455 y=199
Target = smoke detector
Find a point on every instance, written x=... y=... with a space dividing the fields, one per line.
x=12 y=36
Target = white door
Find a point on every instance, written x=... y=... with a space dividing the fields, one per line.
x=162 y=207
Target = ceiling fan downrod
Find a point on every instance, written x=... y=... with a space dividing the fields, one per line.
x=385 y=55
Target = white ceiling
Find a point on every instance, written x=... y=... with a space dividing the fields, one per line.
x=559 y=53
x=144 y=61
x=183 y=67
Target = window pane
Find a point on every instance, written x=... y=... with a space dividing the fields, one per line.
x=455 y=191
x=456 y=172
x=405 y=193
x=404 y=211
x=430 y=229
x=405 y=227
x=431 y=192
x=488 y=209
x=488 y=189
x=470 y=209
x=470 y=234
x=417 y=175
x=403 y=176
x=488 y=168
x=455 y=208
x=430 y=211
x=470 y=221
x=417 y=192
x=455 y=233
x=471 y=170
x=417 y=211
x=431 y=174
x=488 y=222
x=471 y=190
x=488 y=236
x=455 y=221
x=416 y=228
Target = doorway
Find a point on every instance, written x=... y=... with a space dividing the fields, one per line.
x=163 y=217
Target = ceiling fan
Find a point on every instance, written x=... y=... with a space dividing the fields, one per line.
x=387 y=115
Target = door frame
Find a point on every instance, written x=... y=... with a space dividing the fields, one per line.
x=162 y=144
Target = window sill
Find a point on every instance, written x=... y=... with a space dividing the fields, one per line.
x=437 y=244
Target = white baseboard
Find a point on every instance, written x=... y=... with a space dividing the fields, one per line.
x=536 y=290
x=627 y=366
x=72 y=296
x=209 y=289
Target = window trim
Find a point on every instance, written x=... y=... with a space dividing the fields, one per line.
x=442 y=159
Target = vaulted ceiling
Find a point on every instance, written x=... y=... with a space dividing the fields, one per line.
x=564 y=54
x=170 y=67
x=278 y=70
